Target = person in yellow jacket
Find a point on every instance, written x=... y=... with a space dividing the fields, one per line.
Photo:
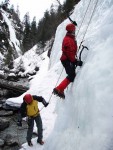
x=29 y=108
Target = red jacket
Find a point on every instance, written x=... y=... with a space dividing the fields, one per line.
x=69 y=48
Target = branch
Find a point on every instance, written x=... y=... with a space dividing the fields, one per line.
x=59 y=2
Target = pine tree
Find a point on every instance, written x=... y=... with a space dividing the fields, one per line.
x=26 y=36
x=68 y=6
x=43 y=28
x=33 y=32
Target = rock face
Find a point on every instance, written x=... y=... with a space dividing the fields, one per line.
x=10 y=85
x=10 y=140
x=9 y=21
x=5 y=113
x=11 y=137
x=1 y=142
x=4 y=124
x=9 y=143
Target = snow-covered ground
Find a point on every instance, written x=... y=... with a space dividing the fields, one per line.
x=84 y=120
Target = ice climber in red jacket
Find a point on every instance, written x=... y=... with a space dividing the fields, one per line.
x=68 y=59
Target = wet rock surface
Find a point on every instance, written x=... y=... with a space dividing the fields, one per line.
x=4 y=123
x=11 y=136
x=5 y=113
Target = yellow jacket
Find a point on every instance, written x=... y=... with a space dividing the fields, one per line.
x=32 y=109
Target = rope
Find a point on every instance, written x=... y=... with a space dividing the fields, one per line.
x=83 y=17
x=56 y=83
x=52 y=92
x=81 y=26
x=90 y=19
x=88 y=22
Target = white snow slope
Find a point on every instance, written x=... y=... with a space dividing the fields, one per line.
x=85 y=118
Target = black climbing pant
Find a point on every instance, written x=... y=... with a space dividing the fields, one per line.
x=70 y=69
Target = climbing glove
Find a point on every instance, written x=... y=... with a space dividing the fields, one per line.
x=76 y=63
x=79 y=63
x=19 y=123
x=46 y=104
x=72 y=64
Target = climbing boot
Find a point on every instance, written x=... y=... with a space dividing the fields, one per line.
x=59 y=93
x=40 y=142
x=59 y=90
x=30 y=143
